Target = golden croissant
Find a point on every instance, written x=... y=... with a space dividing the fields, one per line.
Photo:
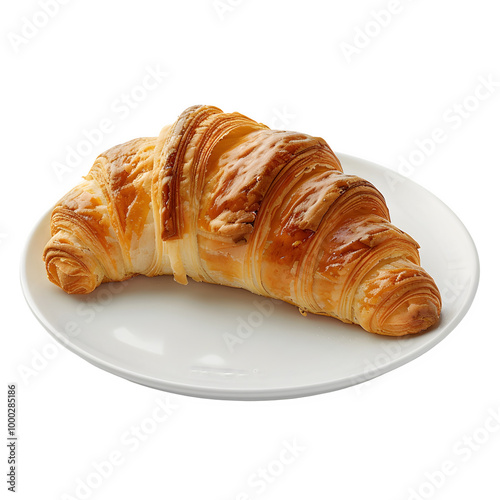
x=223 y=199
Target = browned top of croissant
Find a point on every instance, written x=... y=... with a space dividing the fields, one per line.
x=223 y=199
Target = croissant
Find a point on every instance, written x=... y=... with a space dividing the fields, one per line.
x=223 y=199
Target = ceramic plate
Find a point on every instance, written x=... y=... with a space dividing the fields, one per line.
x=218 y=342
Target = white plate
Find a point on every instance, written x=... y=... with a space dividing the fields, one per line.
x=218 y=342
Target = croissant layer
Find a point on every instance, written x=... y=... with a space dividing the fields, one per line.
x=220 y=198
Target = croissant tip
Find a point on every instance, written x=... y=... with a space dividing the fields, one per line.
x=411 y=318
x=70 y=279
x=69 y=268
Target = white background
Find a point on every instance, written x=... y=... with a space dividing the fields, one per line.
x=288 y=64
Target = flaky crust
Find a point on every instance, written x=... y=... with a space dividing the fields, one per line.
x=223 y=199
